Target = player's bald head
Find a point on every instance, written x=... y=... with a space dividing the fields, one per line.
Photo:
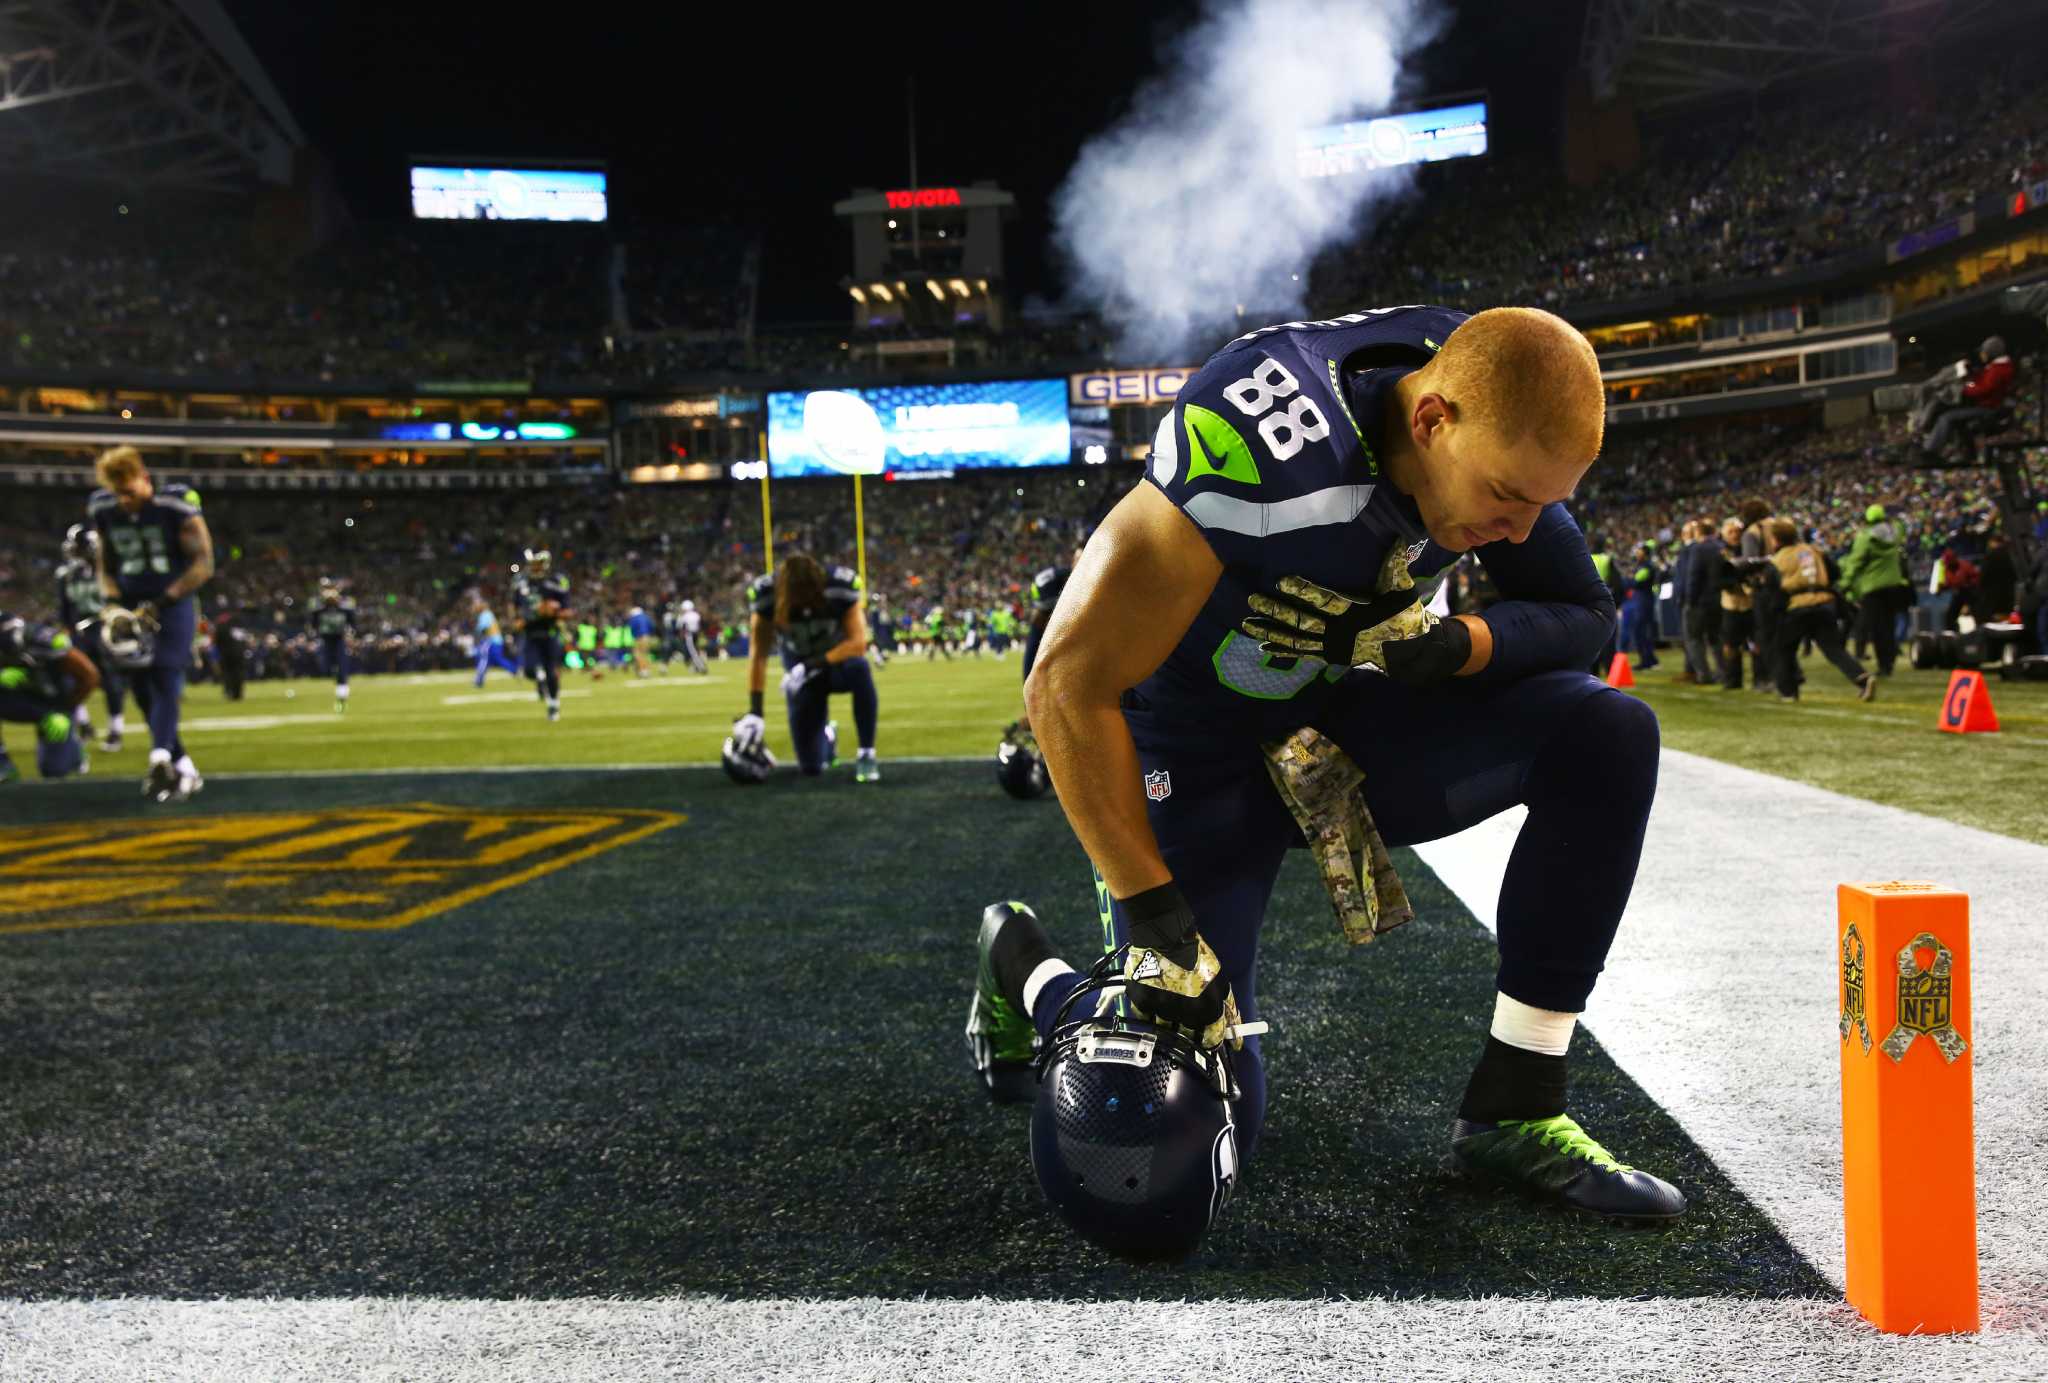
x=1520 y=371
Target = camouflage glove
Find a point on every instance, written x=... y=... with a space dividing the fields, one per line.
x=1171 y=976
x=1311 y=621
x=55 y=727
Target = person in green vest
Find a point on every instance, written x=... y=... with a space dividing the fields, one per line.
x=1874 y=577
x=586 y=648
x=1609 y=572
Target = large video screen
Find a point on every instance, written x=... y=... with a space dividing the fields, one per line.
x=1385 y=141
x=507 y=194
x=918 y=427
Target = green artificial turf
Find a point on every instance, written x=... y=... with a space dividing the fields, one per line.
x=1888 y=751
x=727 y=1058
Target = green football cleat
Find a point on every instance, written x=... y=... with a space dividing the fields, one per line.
x=1559 y=1161
x=1001 y=1039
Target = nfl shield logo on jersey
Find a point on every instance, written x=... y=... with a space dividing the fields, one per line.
x=1158 y=786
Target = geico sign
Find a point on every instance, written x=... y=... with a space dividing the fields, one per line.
x=1115 y=387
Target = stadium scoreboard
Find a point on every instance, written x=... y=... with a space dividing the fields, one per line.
x=1388 y=141
x=917 y=428
x=444 y=193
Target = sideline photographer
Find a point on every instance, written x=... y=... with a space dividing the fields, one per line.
x=1808 y=612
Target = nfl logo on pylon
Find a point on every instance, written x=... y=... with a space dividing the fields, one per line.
x=1158 y=786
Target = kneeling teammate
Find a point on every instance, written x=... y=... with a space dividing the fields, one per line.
x=1251 y=610
x=817 y=621
x=44 y=679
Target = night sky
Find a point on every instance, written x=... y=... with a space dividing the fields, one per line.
x=768 y=123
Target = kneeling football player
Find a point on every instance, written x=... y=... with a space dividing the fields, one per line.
x=44 y=679
x=1247 y=662
x=816 y=620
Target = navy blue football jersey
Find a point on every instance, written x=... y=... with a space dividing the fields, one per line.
x=36 y=650
x=1271 y=450
x=143 y=554
x=79 y=597
x=331 y=619
x=527 y=596
x=812 y=631
x=1047 y=585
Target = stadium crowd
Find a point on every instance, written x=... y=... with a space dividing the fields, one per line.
x=415 y=561
x=1782 y=188
x=160 y=287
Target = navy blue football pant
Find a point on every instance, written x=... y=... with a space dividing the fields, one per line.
x=158 y=693
x=541 y=659
x=1581 y=756
x=59 y=760
x=113 y=681
x=1639 y=629
x=809 y=704
x=334 y=660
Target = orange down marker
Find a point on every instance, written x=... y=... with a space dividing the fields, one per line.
x=1966 y=709
x=1909 y=1184
x=1619 y=674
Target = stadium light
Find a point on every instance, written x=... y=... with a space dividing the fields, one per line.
x=937 y=292
x=858 y=296
x=1096 y=456
x=881 y=292
x=959 y=286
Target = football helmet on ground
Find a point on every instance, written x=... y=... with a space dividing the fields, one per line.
x=746 y=763
x=1019 y=769
x=1132 y=1136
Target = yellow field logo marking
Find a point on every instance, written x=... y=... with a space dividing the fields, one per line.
x=352 y=868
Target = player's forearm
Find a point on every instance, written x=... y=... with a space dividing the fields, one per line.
x=1094 y=764
x=84 y=678
x=1482 y=645
x=194 y=576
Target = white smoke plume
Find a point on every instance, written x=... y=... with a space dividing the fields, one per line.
x=1190 y=207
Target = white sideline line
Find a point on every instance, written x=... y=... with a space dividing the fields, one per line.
x=583 y=1341
x=1720 y=996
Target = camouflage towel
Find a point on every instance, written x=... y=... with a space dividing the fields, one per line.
x=1324 y=791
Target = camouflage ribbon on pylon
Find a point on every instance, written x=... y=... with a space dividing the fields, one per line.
x=1855 y=1009
x=1323 y=791
x=1925 y=1001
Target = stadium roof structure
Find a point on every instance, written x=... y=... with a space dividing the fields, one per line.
x=1664 y=53
x=144 y=92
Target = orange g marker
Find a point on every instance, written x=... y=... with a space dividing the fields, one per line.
x=1909 y=1184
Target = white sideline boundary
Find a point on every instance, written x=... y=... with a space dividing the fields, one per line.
x=1506 y=1338
x=1721 y=994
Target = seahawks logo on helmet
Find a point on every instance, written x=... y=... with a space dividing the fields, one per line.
x=746 y=766
x=127 y=637
x=1132 y=1136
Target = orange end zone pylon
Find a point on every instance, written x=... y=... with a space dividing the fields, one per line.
x=1966 y=710
x=1619 y=673
x=1909 y=1184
